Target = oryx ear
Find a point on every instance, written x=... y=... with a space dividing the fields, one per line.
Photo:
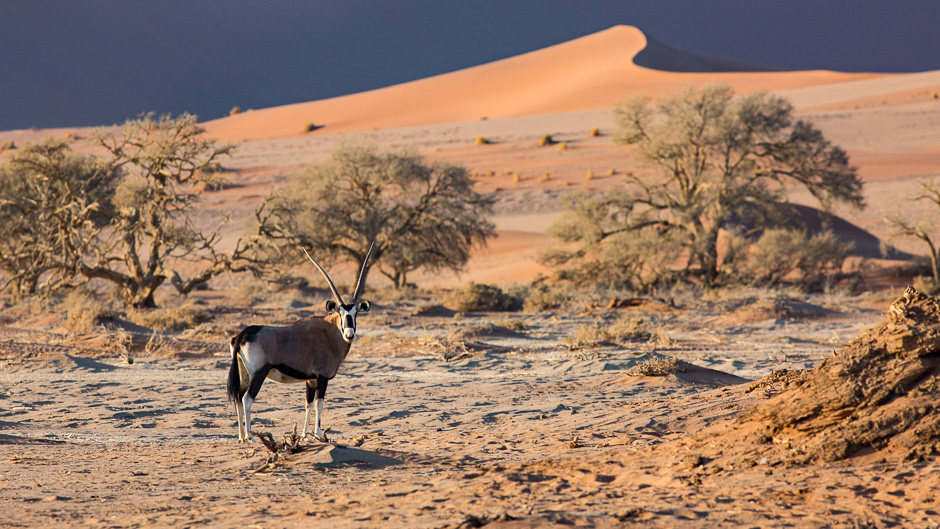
x=365 y=306
x=330 y=306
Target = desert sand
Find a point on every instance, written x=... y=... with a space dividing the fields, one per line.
x=440 y=419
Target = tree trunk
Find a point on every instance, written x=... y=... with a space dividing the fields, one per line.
x=708 y=256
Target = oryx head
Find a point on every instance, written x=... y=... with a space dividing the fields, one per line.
x=347 y=312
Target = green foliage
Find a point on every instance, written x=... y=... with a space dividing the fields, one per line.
x=422 y=215
x=125 y=217
x=153 y=223
x=719 y=162
x=479 y=297
x=807 y=261
x=54 y=205
x=636 y=259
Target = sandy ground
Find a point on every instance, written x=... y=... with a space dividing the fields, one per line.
x=437 y=420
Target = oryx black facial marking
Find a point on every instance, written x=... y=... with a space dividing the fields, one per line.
x=309 y=350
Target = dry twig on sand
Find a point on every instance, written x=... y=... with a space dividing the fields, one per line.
x=359 y=439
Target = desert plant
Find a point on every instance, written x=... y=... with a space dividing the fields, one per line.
x=422 y=215
x=8 y=145
x=595 y=132
x=725 y=159
x=923 y=230
x=808 y=260
x=182 y=317
x=563 y=146
x=54 y=205
x=235 y=110
x=720 y=161
x=126 y=217
x=627 y=329
x=540 y=297
x=513 y=324
x=152 y=222
x=478 y=297
x=545 y=139
x=84 y=311
x=657 y=366
x=639 y=259
x=926 y=284
x=481 y=140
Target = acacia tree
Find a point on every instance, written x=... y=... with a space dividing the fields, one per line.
x=54 y=204
x=162 y=161
x=924 y=230
x=128 y=217
x=421 y=215
x=719 y=161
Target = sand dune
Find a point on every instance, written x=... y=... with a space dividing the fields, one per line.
x=588 y=73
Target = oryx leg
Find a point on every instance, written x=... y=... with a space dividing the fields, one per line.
x=240 y=403
x=254 y=386
x=318 y=405
x=240 y=410
x=311 y=387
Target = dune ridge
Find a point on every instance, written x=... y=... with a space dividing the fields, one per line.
x=588 y=73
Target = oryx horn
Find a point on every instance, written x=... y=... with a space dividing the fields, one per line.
x=362 y=273
x=329 y=281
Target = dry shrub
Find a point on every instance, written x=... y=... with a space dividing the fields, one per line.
x=512 y=324
x=158 y=345
x=540 y=298
x=660 y=338
x=179 y=318
x=479 y=297
x=809 y=261
x=624 y=329
x=84 y=311
x=588 y=335
x=481 y=140
x=253 y=292
x=546 y=139
x=658 y=366
x=927 y=285
x=627 y=329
